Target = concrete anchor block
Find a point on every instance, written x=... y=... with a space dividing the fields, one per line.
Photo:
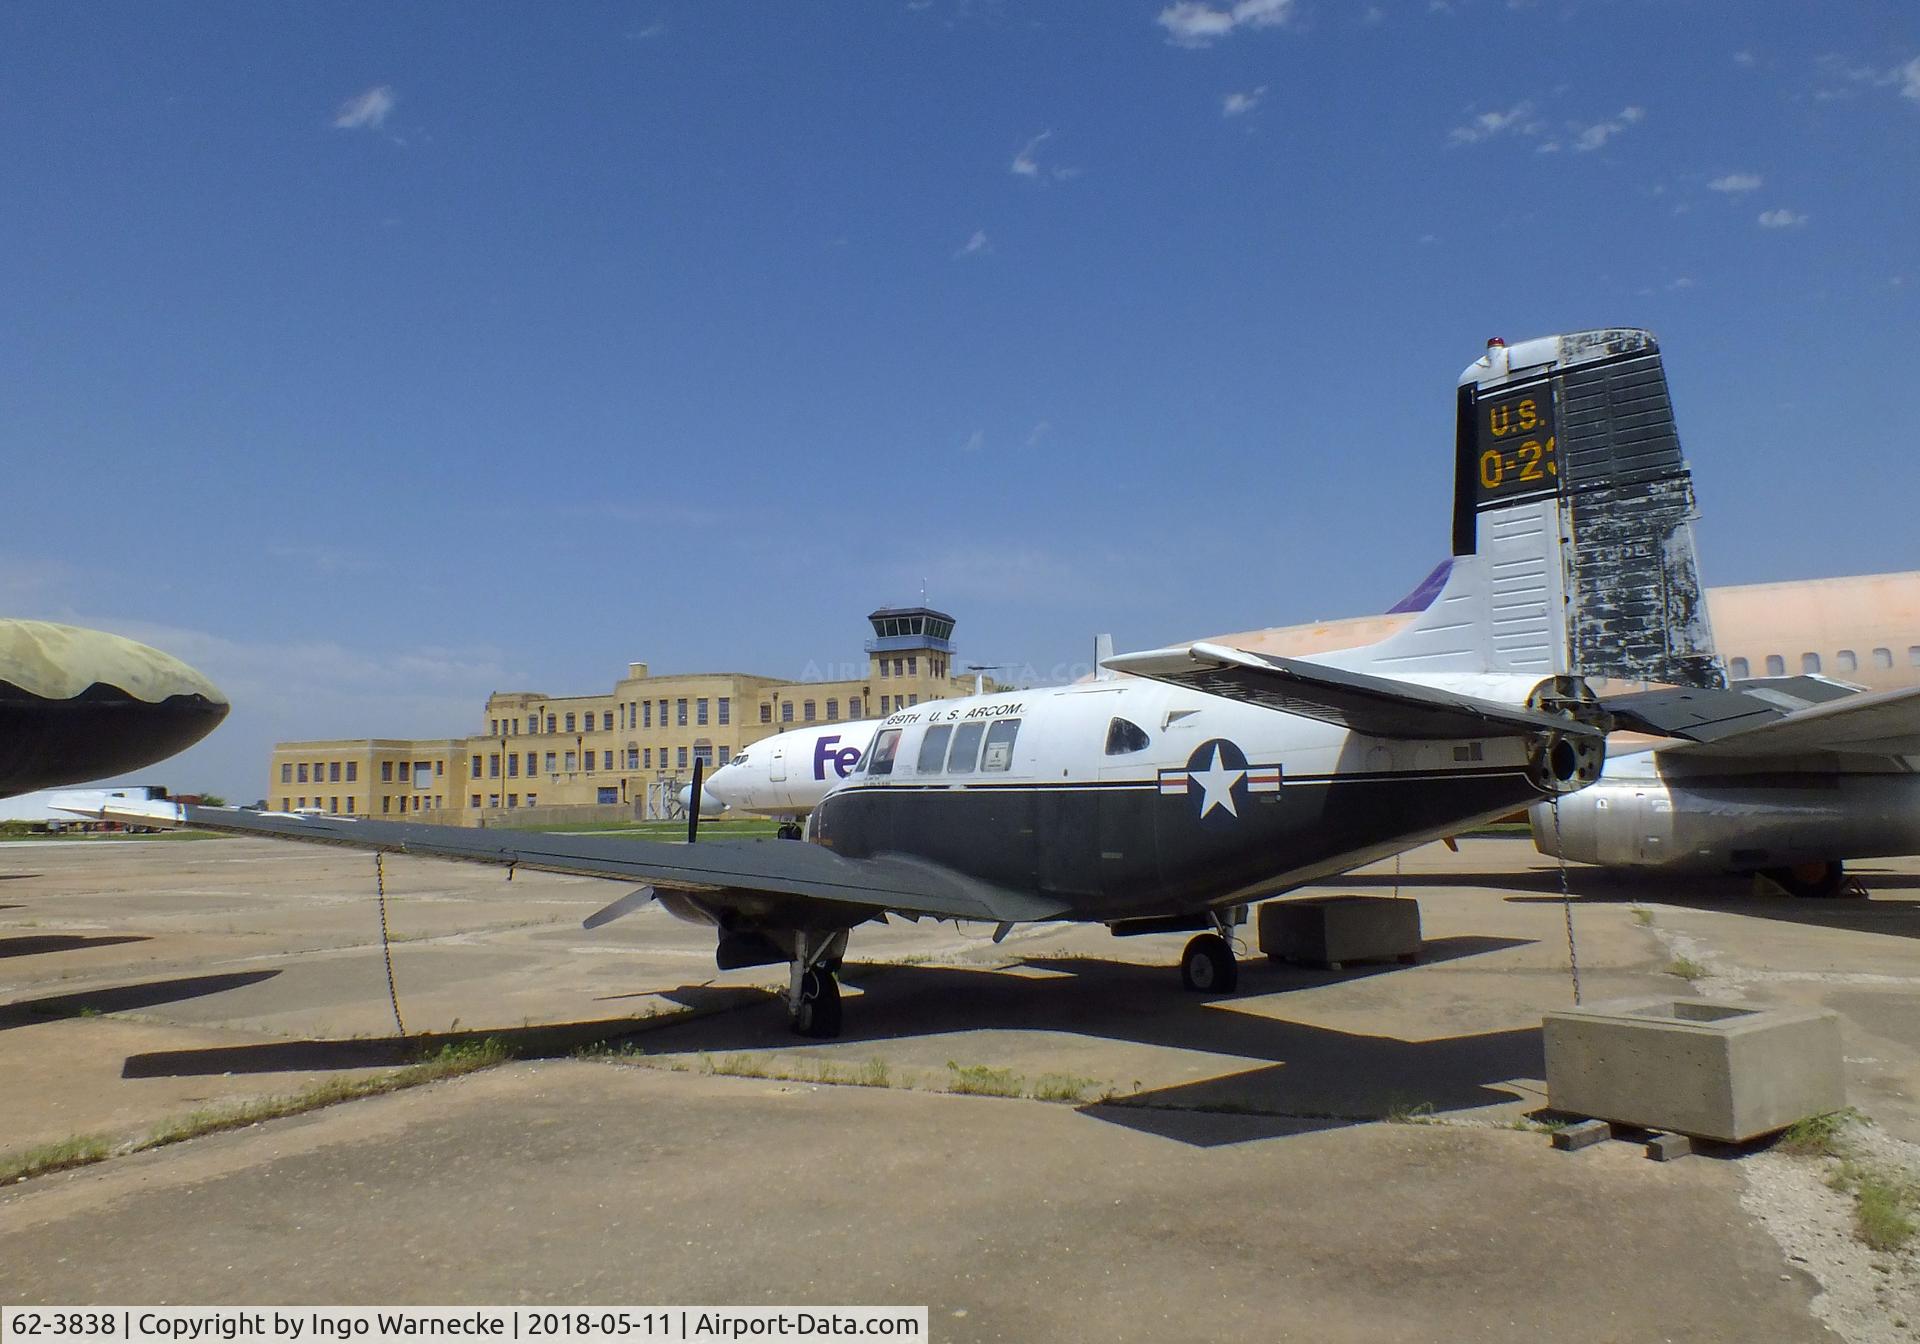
x=1667 y=1147
x=1332 y=931
x=1688 y=1066
x=1582 y=1134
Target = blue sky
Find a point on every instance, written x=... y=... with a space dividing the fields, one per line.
x=373 y=357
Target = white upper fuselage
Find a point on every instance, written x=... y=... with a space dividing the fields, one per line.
x=787 y=775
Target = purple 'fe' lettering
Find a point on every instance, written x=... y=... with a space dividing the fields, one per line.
x=842 y=760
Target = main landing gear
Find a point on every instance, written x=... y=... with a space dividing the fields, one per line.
x=813 y=992
x=1208 y=965
x=789 y=830
x=1813 y=880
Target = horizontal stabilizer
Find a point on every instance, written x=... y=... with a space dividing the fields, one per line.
x=790 y=872
x=1871 y=723
x=1376 y=706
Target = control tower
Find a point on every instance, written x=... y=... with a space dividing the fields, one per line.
x=909 y=658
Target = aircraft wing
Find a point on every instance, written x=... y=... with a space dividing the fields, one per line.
x=721 y=871
x=1872 y=723
x=1376 y=706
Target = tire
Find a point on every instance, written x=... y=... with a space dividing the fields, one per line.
x=1813 y=881
x=819 y=1015
x=1208 y=966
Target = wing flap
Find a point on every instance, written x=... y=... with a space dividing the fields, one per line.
x=1872 y=723
x=777 y=868
x=1376 y=706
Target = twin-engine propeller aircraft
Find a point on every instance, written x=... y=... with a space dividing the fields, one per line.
x=1169 y=799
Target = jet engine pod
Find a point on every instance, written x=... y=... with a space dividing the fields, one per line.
x=709 y=805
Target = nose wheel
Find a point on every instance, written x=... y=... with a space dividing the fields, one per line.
x=1208 y=965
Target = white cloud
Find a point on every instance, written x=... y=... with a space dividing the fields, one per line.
x=1192 y=23
x=975 y=442
x=1734 y=183
x=1039 y=432
x=1682 y=282
x=1024 y=163
x=975 y=245
x=1910 y=79
x=651 y=31
x=365 y=111
x=1743 y=57
x=1781 y=219
x=1489 y=124
x=1594 y=136
x=1237 y=104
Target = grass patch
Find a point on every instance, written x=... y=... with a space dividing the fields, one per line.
x=450 y=1061
x=1062 y=1087
x=1816 y=1136
x=1687 y=968
x=874 y=1073
x=1411 y=1113
x=1884 y=1207
x=978 y=1080
x=733 y=1066
x=80 y=1151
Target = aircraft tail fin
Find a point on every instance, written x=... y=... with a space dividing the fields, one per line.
x=1572 y=525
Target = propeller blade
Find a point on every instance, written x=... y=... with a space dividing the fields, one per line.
x=626 y=905
x=693 y=809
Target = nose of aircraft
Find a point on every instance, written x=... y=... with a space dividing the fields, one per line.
x=77 y=705
x=709 y=805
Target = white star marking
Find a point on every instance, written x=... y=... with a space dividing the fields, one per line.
x=1217 y=785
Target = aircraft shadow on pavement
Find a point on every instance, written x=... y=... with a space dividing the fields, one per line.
x=544 y=1041
x=124 y=998
x=1897 y=916
x=34 y=945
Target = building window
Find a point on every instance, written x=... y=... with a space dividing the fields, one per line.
x=886 y=702
x=646 y=755
x=350 y=807
x=569 y=761
x=606 y=720
x=473 y=800
x=853 y=706
x=1846 y=661
x=493 y=800
x=886 y=666
x=569 y=720
x=513 y=765
x=806 y=711
x=663 y=713
x=683 y=758
x=786 y=711
x=286 y=803
x=476 y=767
x=680 y=712
x=333 y=805
x=606 y=761
x=913 y=665
x=703 y=755
x=1776 y=665
x=493 y=727
x=493 y=765
x=533 y=764
x=648 y=706
x=766 y=712
x=286 y=773
x=1809 y=662
x=723 y=755
x=439 y=768
x=353 y=773
x=533 y=800
x=1737 y=669
x=725 y=706
x=513 y=800
x=633 y=758
x=553 y=721
x=552 y=760
x=386 y=772
x=700 y=711
x=833 y=711
x=303 y=772
x=913 y=699
x=386 y=802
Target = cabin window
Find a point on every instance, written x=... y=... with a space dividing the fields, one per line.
x=1845 y=661
x=1124 y=737
x=1883 y=658
x=1913 y=654
x=933 y=749
x=965 y=757
x=1776 y=665
x=880 y=759
x=1809 y=662
x=1737 y=669
x=999 y=752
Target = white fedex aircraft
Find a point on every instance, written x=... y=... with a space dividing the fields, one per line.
x=1212 y=777
x=786 y=775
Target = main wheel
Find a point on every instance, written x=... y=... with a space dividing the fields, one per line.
x=819 y=1015
x=1208 y=967
x=1813 y=880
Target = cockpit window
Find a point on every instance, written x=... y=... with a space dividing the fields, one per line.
x=966 y=748
x=933 y=749
x=880 y=760
x=999 y=752
x=1124 y=736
